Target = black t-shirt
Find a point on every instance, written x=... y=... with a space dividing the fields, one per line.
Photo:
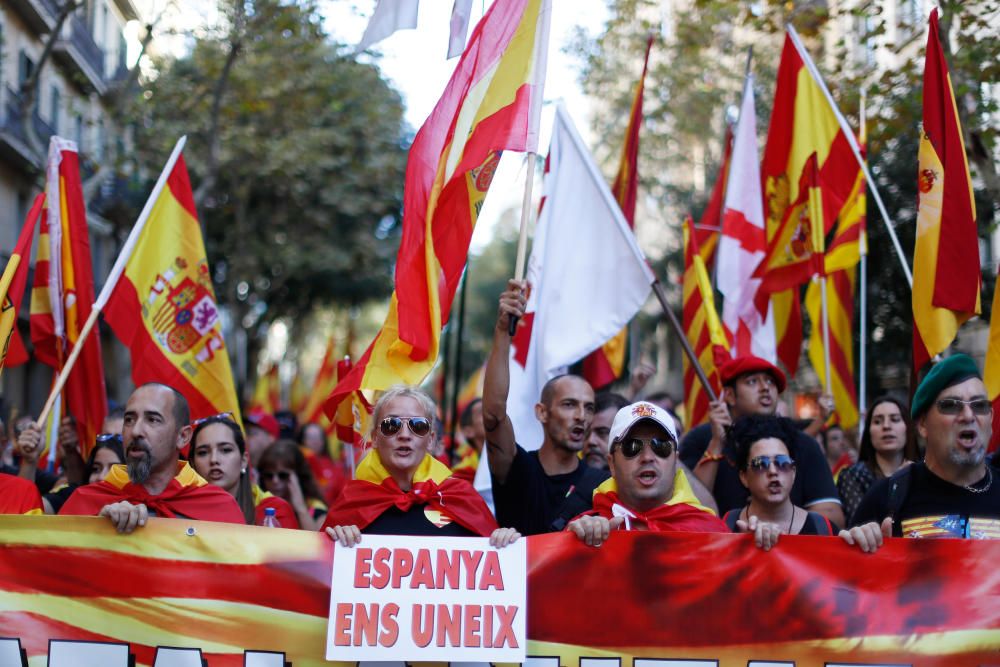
x=534 y=503
x=415 y=521
x=813 y=480
x=929 y=506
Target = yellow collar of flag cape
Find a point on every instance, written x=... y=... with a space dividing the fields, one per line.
x=372 y=470
x=683 y=494
x=186 y=476
x=259 y=494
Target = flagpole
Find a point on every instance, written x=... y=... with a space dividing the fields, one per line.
x=863 y=324
x=685 y=345
x=457 y=360
x=853 y=143
x=522 y=239
x=112 y=280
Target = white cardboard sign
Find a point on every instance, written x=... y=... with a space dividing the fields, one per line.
x=428 y=599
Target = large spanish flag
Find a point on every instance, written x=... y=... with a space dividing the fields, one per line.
x=991 y=369
x=491 y=104
x=15 y=275
x=701 y=322
x=160 y=303
x=802 y=124
x=606 y=364
x=946 y=274
x=63 y=292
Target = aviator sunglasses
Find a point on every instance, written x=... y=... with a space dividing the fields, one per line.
x=419 y=426
x=631 y=447
x=953 y=406
x=783 y=462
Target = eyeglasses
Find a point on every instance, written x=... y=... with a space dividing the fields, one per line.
x=218 y=417
x=953 y=406
x=103 y=438
x=631 y=447
x=419 y=426
x=783 y=462
x=283 y=475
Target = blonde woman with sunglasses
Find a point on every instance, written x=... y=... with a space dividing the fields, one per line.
x=400 y=489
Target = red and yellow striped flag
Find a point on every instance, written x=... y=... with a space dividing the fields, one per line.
x=605 y=365
x=267 y=391
x=701 y=321
x=802 y=124
x=946 y=273
x=161 y=304
x=490 y=104
x=991 y=369
x=12 y=283
x=323 y=384
x=63 y=292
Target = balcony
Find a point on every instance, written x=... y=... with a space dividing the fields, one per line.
x=14 y=144
x=40 y=15
x=81 y=54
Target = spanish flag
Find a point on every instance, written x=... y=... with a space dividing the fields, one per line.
x=63 y=292
x=491 y=104
x=701 y=321
x=267 y=391
x=946 y=273
x=991 y=369
x=802 y=124
x=323 y=384
x=160 y=303
x=12 y=290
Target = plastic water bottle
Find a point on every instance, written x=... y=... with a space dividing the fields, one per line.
x=270 y=520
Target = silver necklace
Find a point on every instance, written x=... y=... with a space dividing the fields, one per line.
x=989 y=481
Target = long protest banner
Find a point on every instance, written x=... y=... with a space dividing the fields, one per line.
x=241 y=595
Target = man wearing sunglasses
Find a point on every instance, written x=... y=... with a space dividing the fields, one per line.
x=953 y=491
x=751 y=386
x=154 y=482
x=648 y=490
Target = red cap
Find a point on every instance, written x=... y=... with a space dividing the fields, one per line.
x=264 y=420
x=733 y=368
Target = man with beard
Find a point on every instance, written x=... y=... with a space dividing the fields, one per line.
x=536 y=492
x=751 y=386
x=952 y=492
x=154 y=482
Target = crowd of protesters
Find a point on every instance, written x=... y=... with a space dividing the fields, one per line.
x=607 y=462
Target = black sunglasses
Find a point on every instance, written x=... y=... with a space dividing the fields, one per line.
x=783 y=462
x=631 y=447
x=283 y=475
x=419 y=426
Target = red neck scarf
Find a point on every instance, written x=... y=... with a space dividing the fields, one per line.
x=682 y=512
x=374 y=491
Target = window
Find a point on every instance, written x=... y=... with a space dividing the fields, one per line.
x=79 y=133
x=25 y=67
x=54 y=109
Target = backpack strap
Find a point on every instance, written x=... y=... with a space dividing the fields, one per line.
x=899 y=488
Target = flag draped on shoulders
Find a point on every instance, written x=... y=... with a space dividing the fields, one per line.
x=12 y=283
x=63 y=292
x=700 y=321
x=588 y=276
x=806 y=149
x=745 y=310
x=946 y=272
x=160 y=302
x=606 y=364
x=491 y=104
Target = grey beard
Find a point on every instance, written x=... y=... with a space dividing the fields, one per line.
x=138 y=471
x=967 y=459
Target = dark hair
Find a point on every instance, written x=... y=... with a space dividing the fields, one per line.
x=112 y=443
x=609 y=399
x=305 y=427
x=181 y=411
x=288 y=452
x=549 y=388
x=659 y=396
x=745 y=431
x=465 y=419
x=244 y=492
x=116 y=412
x=866 y=452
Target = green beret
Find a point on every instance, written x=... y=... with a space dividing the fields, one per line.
x=947 y=373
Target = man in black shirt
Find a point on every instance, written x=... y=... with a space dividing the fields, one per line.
x=952 y=493
x=750 y=386
x=537 y=492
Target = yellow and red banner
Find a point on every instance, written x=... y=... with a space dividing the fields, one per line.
x=946 y=270
x=490 y=104
x=323 y=384
x=163 y=306
x=267 y=391
x=605 y=365
x=12 y=283
x=63 y=292
x=991 y=367
x=226 y=589
x=701 y=322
